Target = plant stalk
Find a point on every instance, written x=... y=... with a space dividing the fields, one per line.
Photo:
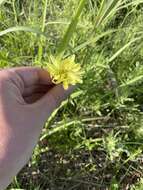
x=71 y=29
x=40 y=50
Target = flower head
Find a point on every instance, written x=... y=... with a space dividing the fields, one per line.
x=65 y=71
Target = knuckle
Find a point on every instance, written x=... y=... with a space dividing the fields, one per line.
x=3 y=80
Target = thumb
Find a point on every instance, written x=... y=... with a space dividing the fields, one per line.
x=52 y=100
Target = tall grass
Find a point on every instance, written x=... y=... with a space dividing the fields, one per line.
x=94 y=139
x=71 y=29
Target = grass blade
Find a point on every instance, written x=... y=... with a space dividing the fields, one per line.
x=106 y=9
x=132 y=3
x=71 y=29
x=133 y=81
x=2 y=1
x=40 y=49
x=123 y=48
x=91 y=41
x=21 y=28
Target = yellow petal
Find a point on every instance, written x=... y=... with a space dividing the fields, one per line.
x=65 y=71
x=72 y=58
x=65 y=85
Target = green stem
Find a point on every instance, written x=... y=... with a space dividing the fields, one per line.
x=44 y=15
x=71 y=29
x=14 y=10
x=40 y=50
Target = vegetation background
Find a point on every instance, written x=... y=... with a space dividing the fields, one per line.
x=94 y=141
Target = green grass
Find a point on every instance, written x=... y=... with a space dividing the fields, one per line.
x=95 y=139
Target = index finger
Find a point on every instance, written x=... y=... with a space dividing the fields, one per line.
x=32 y=75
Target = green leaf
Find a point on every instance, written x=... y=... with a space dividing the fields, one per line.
x=106 y=9
x=68 y=35
x=133 y=81
x=132 y=3
x=2 y=1
x=21 y=28
x=123 y=48
x=93 y=40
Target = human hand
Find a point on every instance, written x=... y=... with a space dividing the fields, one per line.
x=27 y=98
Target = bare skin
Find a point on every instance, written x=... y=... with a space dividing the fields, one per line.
x=27 y=98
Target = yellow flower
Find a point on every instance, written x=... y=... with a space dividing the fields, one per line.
x=65 y=71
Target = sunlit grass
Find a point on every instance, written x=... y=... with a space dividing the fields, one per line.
x=94 y=139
